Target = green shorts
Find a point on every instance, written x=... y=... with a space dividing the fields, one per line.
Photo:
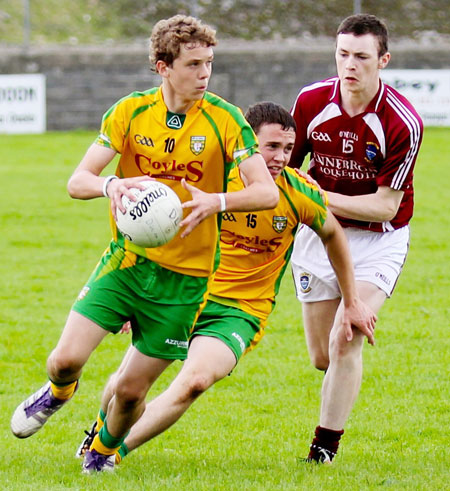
x=237 y=329
x=162 y=305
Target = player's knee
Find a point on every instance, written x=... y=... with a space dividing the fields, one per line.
x=318 y=354
x=112 y=382
x=129 y=395
x=349 y=351
x=338 y=348
x=320 y=361
x=62 y=365
x=198 y=384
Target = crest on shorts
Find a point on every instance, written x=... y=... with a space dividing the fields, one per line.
x=279 y=224
x=305 y=282
x=83 y=293
x=197 y=144
x=371 y=151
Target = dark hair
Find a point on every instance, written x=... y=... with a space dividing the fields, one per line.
x=361 y=24
x=269 y=113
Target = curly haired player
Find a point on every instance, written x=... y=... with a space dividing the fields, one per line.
x=190 y=139
x=255 y=251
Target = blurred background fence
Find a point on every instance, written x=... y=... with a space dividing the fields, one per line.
x=93 y=21
x=92 y=52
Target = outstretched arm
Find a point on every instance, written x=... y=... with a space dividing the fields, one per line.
x=260 y=193
x=356 y=312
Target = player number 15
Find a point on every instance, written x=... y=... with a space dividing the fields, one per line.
x=347 y=146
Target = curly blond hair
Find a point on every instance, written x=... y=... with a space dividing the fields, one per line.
x=168 y=34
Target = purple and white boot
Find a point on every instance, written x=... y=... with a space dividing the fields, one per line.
x=31 y=415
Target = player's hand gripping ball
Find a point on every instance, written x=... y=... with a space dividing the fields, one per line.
x=153 y=220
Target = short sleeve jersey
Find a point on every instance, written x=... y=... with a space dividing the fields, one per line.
x=200 y=146
x=256 y=246
x=356 y=155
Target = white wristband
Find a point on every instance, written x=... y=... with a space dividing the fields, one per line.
x=106 y=182
x=223 y=203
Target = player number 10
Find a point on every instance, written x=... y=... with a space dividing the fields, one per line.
x=170 y=145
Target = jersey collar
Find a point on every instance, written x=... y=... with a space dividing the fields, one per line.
x=196 y=106
x=375 y=104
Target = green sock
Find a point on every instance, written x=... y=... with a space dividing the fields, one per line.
x=101 y=415
x=107 y=439
x=62 y=384
x=123 y=450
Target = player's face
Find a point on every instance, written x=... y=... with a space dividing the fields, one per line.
x=358 y=63
x=276 y=145
x=190 y=72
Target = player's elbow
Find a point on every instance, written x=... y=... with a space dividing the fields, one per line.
x=392 y=211
x=271 y=197
x=388 y=217
x=387 y=204
x=387 y=212
x=73 y=188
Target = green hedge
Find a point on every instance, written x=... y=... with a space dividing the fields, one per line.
x=92 y=21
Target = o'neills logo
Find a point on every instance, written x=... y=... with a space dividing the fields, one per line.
x=175 y=121
x=255 y=244
x=172 y=169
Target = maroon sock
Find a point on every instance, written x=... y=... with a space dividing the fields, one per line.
x=325 y=444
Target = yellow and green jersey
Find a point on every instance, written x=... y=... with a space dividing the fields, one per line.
x=256 y=246
x=200 y=146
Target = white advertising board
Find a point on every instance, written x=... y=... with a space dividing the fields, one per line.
x=22 y=103
x=427 y=90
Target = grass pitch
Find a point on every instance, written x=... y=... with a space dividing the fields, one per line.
x=249 y=430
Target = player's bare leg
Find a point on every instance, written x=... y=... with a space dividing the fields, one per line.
x=78 y=339
x=133 y=383
x=124 y=409
x=342 y=380
x=318 y=319
x=209 y=360
x=110 y=387
x=107 y=395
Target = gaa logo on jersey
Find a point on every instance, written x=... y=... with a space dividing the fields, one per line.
x=320 y=136
x=305 y=280
x=371 y=151
x=227 y=216
x=197 y=144
x=279 y=224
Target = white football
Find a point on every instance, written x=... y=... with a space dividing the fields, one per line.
x=154 y=219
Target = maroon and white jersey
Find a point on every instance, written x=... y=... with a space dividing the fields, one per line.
x=356 y=155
